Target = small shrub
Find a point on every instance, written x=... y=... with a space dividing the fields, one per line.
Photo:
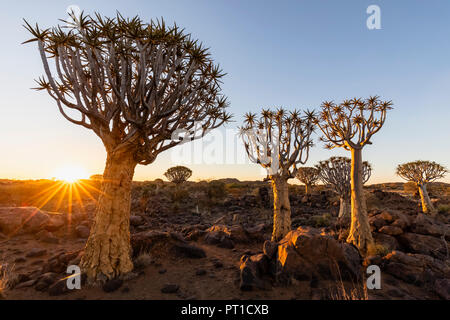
x=373 y=202
x=377 y=250
x=142 y=260
x=443 y=208
x=322 y=221
x=216 y=190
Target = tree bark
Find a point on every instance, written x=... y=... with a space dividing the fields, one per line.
x=281 y=208
x=344 y=208
x=107 y=252
x=360 y=234
x=427 y=206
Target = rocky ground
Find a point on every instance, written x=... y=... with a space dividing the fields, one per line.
x=210 y=240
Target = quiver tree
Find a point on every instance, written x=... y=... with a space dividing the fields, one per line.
x=422 y=173
x=178 y=174
x=336 y=172
x=279 y=141
x=138 y=86
x=351 y=125
x=308 y=176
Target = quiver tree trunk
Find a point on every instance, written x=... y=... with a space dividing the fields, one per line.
x=281 y=208
x=307 y=188
x=360 y=234
x=427 y=206
x=107 y=251
x=344 y=207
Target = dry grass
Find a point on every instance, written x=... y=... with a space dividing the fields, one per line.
x=5 y=279
x=351 y=291
x=355 y=292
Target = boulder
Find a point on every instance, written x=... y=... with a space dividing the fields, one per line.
x=82 y=231
x=20 y=220
x=36 y=252
x=391 y=230
x=56 y=221
x=235 y=232
x=58 y=288
x=270 y=248
x=306 y=253
x=377 y=222
x=257 y=232
x=416 y=269
x=162 y=243
x=426 y=225
x=387 y=241
x=112 y=285
x=442 y=288
x=418 y=243
x=254 y=271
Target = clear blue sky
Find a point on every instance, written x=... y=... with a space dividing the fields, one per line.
x=291 y=53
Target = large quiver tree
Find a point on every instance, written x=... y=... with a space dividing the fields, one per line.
x=308 y=176
x=350 y=125
x=137 y=86
x=279 y=141
x=336 y=172
x=422 y=173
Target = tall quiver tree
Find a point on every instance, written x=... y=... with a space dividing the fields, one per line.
x=279 y=141
x=336 y=172
x=351 y=125
x=308 y=176
x=136 y=85
x=422 y=173
x=178 y=174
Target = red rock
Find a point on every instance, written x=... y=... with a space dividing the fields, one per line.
x=391 y=230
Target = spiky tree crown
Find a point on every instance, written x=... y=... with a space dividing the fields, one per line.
x=178 y=174
x=352 y=123
x=133 y=83
x=421 y=172
x=336 y=172
x=308 y=175
x=278 y=140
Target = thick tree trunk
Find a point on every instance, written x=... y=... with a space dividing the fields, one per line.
x=107 y=251
x=344 y=208
x=360 y=234
x=281 y=208
x=427 y=206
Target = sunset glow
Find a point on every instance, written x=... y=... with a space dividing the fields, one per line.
x=71 y=174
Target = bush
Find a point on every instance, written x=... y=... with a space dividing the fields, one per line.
x=216 y=190
x=322 y=221
x=443 y=208
x=377 y=250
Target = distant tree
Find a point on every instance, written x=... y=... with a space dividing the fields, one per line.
x=422 y=173
x=308 y=176
x=351 y=125
x=139 y=86
x=336 y=172
x=178 y=174
x=279 y=141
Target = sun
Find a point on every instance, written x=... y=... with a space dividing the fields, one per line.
x=70 y=174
